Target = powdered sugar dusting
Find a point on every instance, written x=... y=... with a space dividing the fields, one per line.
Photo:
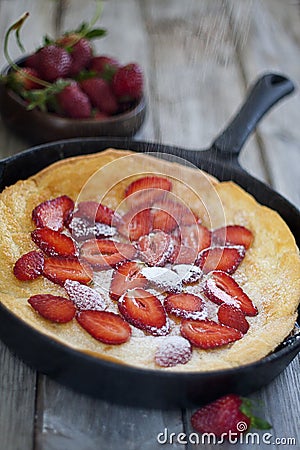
x=163 y=278
x=188 y=273
x=173 y=350
x=84 y=297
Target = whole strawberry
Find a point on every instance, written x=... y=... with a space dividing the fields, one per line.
x=21 y=79
x=228 y=414
x=104 y=66
x=100 y=95
x=53 y=62
x=80 y=50
x=74 y=102
x=127 y=83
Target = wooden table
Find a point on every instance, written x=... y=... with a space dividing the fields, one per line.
x=199 y=58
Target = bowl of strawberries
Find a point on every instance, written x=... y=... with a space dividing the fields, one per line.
x=65 y=90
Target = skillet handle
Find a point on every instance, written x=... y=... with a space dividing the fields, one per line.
x=268 y=90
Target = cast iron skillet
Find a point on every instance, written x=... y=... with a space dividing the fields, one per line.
x=149 y=388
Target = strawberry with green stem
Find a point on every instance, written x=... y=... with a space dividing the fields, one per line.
x=228 y=414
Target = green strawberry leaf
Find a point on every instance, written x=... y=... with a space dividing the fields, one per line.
x=256 y=422
x=85 y=75
x=47 y=40
x=95 y=33
x=38 y=98
x=260 y=424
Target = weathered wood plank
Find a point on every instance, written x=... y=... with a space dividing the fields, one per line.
x=69 y=421
x=197 y=84
x=17 y=400
x=271 y=45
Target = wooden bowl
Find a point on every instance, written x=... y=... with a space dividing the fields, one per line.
x=38 y=127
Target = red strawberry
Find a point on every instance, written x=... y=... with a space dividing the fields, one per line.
x=80 y=50
x=135 y=224
x=226 y=259
x=221 y=417
x=128 y=82
x=84 y=297
x=96 y=212
x=99 y=115
x=181 y=214
x=163 y=221
x=173 y=350
x=21 y=78
x=187 y=306
x=233 y=317
x=183 y=255
x=73 y=102
x=232 y=235
x=29 y=266
x=53 y=62
x=53 y=243
x=105 y=326
x=52 y=307
x=195 y=236
x=144 y=311
x=126 y=276
x=53 y=213
x=32 y=61
x=208 y=334
x=155 y=248
x=105 y=66
x=82 y=229
x=59 y=269
x=104 y=253
x=100 y=95
x=150 y=182
x=222 y=288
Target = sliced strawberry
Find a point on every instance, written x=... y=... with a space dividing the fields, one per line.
x=187 y=306
x=55 y=308
x=81 y=229
x=84 y=297
x=29 y=266
x=195 y=236
x=188 y=273
x=104 y=253
x=233 y=235
x=96 y=212
x=126 y=276
x=226 y=259
x=135 y=224
x=148 y=182
x=53 y=243
x=178 y=211
x=144 y=311
x=106 y=327
x=54 y=213
x=222 y=288
x=155 y=248
x=183 y=255
x=163 y=279
x=208 y=334
x=173 y=350
x=59 y=269
x=163 y=221
x=233 y=317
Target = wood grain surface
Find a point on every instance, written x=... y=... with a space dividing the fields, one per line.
x=199 y=59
